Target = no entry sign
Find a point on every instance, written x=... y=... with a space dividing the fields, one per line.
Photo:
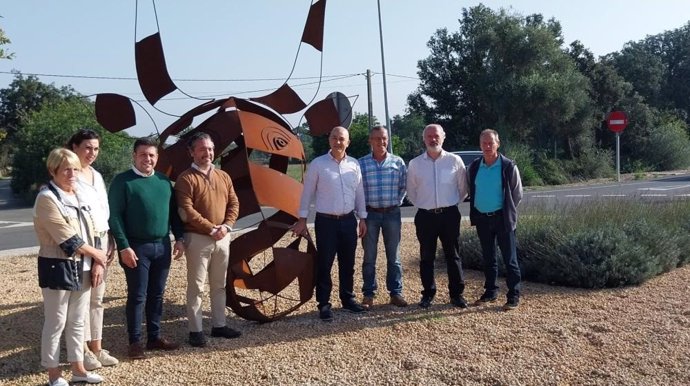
x=617 y=121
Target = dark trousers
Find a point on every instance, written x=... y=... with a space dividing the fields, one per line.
x=444 y=226
x=335 y=236
x=491 y=230
x=145 y=288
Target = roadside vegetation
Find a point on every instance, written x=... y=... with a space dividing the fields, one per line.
x=596 y=244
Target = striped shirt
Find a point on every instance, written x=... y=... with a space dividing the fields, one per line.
x=384 y=182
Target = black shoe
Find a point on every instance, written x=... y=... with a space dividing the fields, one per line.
x=486 y=298
x=225 y=332
x=511 y=304
x=197 y=339
x=325 y=313
x=459 y=301
x=425 y=302
x=353 y=307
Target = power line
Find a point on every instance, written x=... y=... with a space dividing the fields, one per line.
x=102 y=77
x=176 y=79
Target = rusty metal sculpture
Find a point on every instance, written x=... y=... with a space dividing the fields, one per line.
x=269 y=274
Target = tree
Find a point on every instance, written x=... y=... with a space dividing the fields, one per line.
x=4 y=40
x=507 y=72
x=50 y=127
x=23 y=96
x=658 y=67
x=302 y=132
x=408 y=129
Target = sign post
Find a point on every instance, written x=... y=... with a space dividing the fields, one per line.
x=617 y=121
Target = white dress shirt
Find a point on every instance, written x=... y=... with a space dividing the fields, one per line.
x=96 y=196
x=336 y=187
x=436 y=183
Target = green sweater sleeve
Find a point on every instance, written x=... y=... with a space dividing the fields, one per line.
x=117 y=200
x=176 y=224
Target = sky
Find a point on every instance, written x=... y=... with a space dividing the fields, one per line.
x=217 y=49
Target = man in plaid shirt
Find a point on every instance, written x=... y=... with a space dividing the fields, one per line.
x=385 y=178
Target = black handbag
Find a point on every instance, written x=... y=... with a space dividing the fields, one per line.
x=60 y=274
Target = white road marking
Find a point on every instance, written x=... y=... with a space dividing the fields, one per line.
x=544 y=196
x=614 y=195
x=14 y=224
x=664 y=188
x=578 y=195
x=653 y=195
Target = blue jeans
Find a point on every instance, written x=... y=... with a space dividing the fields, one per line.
x=145 y=288
x=389 y=224
x=335 y=236
x=491 y=230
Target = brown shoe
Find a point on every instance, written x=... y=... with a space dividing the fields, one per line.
x=398 y=301
x=136 y=351
x=162 y=344
x=367 y=302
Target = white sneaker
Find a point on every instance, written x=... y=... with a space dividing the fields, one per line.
x=88 y=378
x=106 y=359
x=58 y=382
x=90 y=361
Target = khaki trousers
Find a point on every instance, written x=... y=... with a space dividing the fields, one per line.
x=93 y=328
x=206 y=257
x=64 y=311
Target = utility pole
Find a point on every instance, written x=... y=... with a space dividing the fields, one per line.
x=369 y=102
x=385 y=90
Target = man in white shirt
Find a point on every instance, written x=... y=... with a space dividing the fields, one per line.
x=436 y=184
x=334 y=182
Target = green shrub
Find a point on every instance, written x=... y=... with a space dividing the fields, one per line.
x=598 y=244
x=522 y=156
x=551 y=171
x=667 y=146
x=592 y=163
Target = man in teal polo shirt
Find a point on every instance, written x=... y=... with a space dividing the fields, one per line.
x=495 y=192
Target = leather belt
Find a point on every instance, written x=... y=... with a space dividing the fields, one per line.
x=438 y=210
x=492 y=214
x=335 y=216
x=381 y=210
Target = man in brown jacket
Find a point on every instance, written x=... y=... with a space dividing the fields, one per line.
x=209 y=208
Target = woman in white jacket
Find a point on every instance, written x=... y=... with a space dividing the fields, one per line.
x=86 y=144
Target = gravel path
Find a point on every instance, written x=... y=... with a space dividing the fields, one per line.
x=558 y=336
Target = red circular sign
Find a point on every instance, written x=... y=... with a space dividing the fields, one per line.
x=617 y=121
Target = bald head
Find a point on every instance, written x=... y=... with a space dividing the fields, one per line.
x=339 y=140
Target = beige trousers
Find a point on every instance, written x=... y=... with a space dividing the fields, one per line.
x=93 y=328
x=206 y=257
x=64 y=311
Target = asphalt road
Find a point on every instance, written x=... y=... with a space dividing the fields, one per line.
x=16 y=227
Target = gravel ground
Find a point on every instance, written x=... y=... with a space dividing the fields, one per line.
x=558 y=336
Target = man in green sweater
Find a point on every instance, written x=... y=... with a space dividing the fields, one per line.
x=143 y=211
